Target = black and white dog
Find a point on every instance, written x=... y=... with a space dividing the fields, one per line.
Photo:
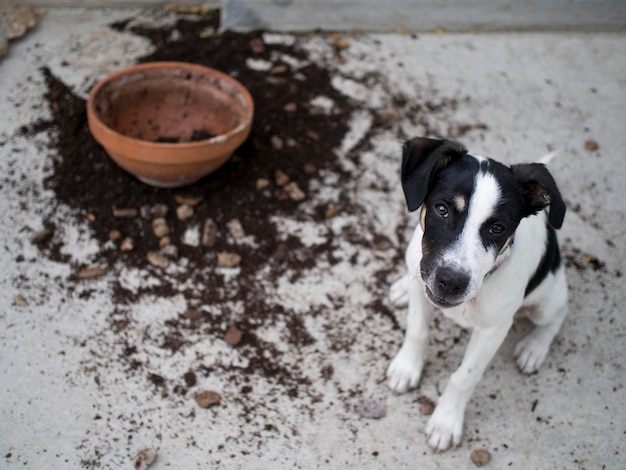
x=484 y=249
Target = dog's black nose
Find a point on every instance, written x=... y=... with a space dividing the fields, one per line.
x=450 y=285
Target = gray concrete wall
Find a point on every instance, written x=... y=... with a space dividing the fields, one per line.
x=413 y=15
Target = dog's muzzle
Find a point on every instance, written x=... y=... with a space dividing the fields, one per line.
x=448 y=287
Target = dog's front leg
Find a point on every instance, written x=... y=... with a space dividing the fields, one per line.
x=406 y=368
x=445 y=426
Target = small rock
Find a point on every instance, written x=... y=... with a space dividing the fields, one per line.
x=166 y=240
x=233 y=335
x=277 y=142
x=19 y=301
x=261 y=184
x=292 y=143
x=310 y=169
x=128 y=244
x=373 y=409
x=184 y=211
x=91 y=218
x=339 y=41
x=115 y=235
x=90 y=273
x=427 y=406
x=159 y=227
x=480 y=457
x=276 y=80
x=257 y=46
x=193 y=314
x=159 y=210
x=235 y=228
x=209 y=233
x=278 y=69
x=294 y=191
x=189 y=200
x=591 y=145
x=207 y=398
x=157 y=259
x=40 y=236
x=125 y=213
x=389 y=114
x=171 y=251
x=144 y=458
x=313 y=135
x=331 y=212
x=228 y=260
x=290 y=107
x=281 y=178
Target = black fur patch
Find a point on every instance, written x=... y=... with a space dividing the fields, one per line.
x=550 y=261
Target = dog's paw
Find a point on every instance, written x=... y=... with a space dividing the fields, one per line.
x=399 y=292
x=404 y=371
x=531 y=351
x=445 y=428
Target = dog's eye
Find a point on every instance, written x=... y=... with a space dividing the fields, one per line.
x=496 y=229
x=441 y=209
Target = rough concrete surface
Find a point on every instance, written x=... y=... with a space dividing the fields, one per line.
x=68 y=403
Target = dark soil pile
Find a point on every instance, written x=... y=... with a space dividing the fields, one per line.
x=289 y=138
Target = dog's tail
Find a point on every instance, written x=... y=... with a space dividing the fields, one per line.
x=548 y=158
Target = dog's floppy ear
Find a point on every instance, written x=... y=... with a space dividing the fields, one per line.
x=421 y=159
x=539 y=190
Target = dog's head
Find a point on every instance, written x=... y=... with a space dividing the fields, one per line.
x=471 y=207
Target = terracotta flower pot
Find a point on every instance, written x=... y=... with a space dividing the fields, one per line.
x=169 y=123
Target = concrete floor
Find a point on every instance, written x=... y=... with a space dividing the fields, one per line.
x=534 y=92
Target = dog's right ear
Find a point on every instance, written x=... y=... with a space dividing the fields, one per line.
x=421 y=159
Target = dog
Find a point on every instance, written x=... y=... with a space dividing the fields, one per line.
x=485 y=247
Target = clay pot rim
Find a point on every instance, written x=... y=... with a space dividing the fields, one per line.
x=243 y=127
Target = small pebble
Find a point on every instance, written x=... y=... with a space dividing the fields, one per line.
x=159 y=227
x=159 y=210
x=125 y=213
x=144 y=458
x=277 y=142
x=331 y=212
x=310 y=169
x=277 y=69
x=19 y=301
x=228 y=260
x=339 y=41
x=193 y=314
x=90 y=273
x=480 y=457
x=261 y=184
x=290 y=108
x=209 y=233
x=281 y=178
x=166 y=240
x=207 y=398
x=189 y=200
x=313 y=135
x=233 y=335
x=235 y=228
x=184 y=211
x=91 y=218
x=294 y=191
x=157 y=259
x=373 y=409
x=128 y=244
x=257 y=46
x=40 y=236
x=592 y=145
x=171 y=251
x=427 y=406
x=115 y=235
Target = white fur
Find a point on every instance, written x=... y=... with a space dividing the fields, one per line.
x=489 y=311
